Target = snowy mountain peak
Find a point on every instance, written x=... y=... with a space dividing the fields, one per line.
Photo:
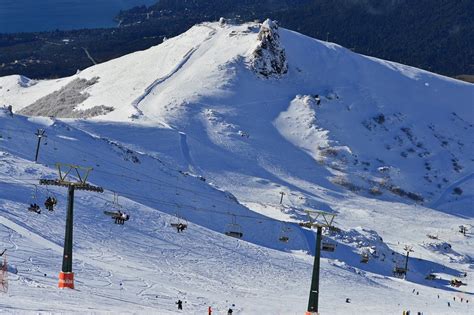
x=268 y=58
x=192 y=131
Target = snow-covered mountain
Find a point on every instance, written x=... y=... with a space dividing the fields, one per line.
x=213 y=125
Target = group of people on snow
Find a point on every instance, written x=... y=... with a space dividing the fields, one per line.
x=230 y=311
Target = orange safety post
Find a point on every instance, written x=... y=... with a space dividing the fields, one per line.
x=66 y=280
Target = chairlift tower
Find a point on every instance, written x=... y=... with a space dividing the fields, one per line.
x=40 y=134
x=327 y=221
x=66 y=171
x=408 y=249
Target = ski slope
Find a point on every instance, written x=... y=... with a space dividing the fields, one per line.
x=194 y=132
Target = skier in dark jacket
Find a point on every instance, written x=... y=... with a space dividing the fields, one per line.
x=230 y=311
x=180 y=304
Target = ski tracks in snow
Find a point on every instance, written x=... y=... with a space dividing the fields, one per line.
x=448 y=190
x=172 y=72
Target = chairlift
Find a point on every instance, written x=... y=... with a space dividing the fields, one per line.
x=430 y=276
x=234 y=229
x=284 y=237
x=34 y=207
x=328 y=246
x=457 y=283
x=115 y=210
x=364 y=258
x=179 y=223
x=51 y=201
x=399 y=271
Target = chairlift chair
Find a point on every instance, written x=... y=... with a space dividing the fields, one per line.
x=399 y=271
x=328 y=246
x=179 y=223
x=364 y=258
x=234 y=229
x=34 y=207
x=430 y=276
x=284 y=237
x=51 y=201
x=115 y=210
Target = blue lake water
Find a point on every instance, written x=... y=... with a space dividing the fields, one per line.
x=47 y=15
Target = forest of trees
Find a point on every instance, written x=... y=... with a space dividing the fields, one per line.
x=436 y=35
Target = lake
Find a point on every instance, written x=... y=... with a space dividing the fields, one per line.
x=47 y=15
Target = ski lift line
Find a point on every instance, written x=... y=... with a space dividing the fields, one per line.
x=192 y=207
x=145 y=175
x=153 y=180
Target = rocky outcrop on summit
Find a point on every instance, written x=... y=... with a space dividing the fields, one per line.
x=268 y=59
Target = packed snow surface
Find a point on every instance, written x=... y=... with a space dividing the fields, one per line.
x=213 y=128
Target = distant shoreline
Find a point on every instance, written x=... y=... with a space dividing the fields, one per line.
x=32 y=16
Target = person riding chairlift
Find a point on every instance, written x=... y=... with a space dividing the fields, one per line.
x=34 y=208
x=50 y=203
x=181 y=227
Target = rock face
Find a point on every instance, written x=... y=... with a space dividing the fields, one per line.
x=268 y=58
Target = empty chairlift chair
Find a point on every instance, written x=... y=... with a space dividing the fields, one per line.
x=234 y=229
x=328 y=246
x=364 y=258
x=284 y=234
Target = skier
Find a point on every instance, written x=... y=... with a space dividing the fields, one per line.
x=209 y=311
x=180 y=304
x=230 y=311
x=348 y=300
x=449 y=304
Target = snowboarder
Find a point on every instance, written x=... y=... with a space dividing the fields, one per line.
x=348 y=300
x=180 y=304
x=230 y=311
